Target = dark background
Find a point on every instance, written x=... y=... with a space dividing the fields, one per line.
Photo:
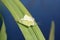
x=44 y=11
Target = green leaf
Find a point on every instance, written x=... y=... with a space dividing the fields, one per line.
x=3 y=35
